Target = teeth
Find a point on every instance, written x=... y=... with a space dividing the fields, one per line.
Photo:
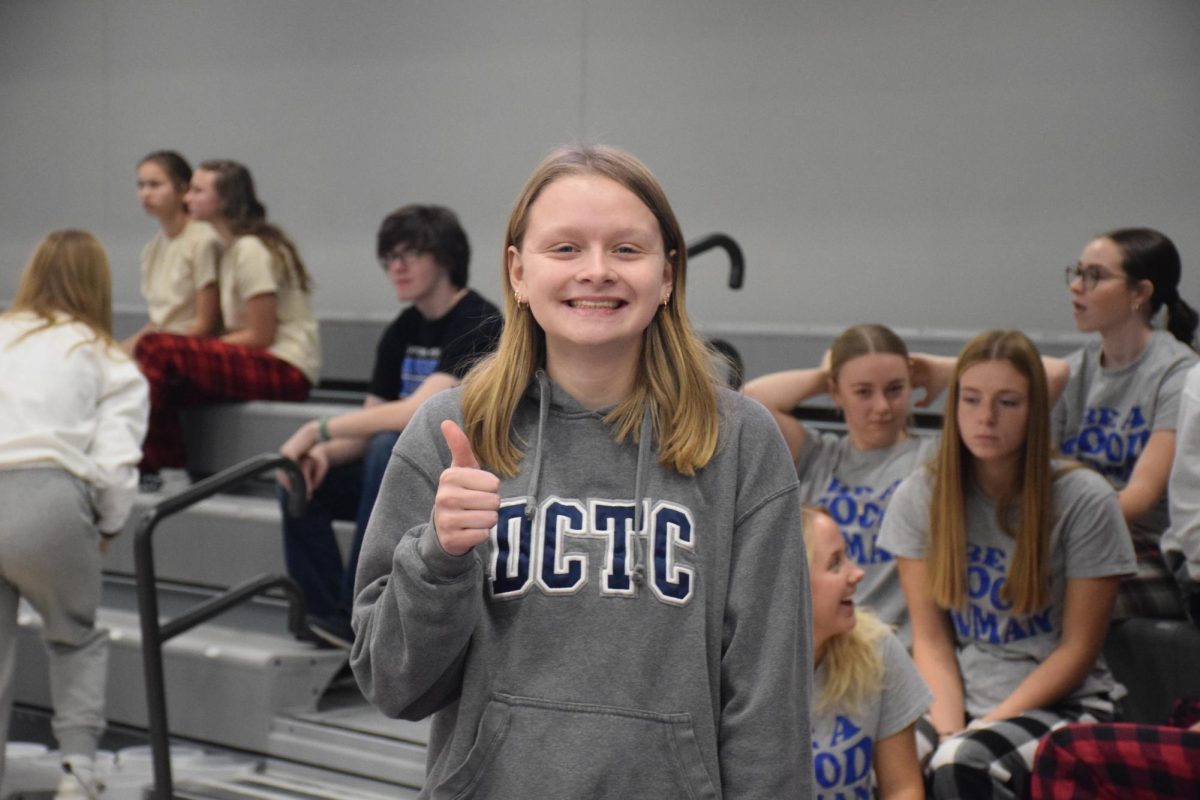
x=593 y=304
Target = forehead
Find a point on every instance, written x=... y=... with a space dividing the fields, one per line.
x=151 y=170
x=1105 y=253
x=203 y=178
x=995 y=375
x=873 y=368
x=826 y=536
x=590 y=201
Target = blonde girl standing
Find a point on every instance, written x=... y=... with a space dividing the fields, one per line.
x=584 y=561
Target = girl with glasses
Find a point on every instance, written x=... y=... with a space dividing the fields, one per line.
x=179 y=265
x=1009 y=563
x=1118 y=413
x=584 y=561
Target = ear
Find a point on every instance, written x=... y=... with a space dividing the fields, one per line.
x=1144 y=291
x=668 y=276
x=516 y=269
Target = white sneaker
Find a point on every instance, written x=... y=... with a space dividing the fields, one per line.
x=80 y=780
x=174 y=481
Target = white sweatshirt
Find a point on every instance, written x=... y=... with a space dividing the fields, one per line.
x=67 y=400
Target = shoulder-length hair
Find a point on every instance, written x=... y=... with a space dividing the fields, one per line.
x=68 y=276
x=247 y=216
x=1026 y=587
x=853 y=663
x=675 y=377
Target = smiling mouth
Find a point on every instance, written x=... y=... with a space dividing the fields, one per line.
x=597 y=304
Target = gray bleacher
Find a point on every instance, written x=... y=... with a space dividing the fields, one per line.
x=243 y=682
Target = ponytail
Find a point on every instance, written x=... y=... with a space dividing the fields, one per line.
x=1182 y=320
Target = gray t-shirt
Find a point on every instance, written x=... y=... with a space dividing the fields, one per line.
x=844 y=740
x=1184 y=534
x=1105 y=416
x=997 y=648
x=855 y=486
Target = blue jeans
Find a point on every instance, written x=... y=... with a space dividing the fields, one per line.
x=309 y=547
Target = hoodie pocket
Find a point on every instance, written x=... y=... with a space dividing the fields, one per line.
x=526 y=747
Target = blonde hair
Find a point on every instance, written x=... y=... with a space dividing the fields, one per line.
x=68 y=275
x=1026 y=587
x=675 y=376
x=853 y=663
x=861 y=340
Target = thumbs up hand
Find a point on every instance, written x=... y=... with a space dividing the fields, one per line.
x=467 y=504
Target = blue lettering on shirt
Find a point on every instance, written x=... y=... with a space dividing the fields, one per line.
x=858 y=511
x=842 y=766
x=988 y=617
x=1110 y=441
x=418 y=364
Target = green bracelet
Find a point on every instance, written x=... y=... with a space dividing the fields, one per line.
x=323 y=429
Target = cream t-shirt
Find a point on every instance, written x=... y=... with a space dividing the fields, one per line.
x=247 y=270
x=174 y=270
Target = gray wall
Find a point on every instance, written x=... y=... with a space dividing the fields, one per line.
x=928 y=164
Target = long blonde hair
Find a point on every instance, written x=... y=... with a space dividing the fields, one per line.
x=675 y=376
x=1026 y=587
x=853 y=664
x=67 y=279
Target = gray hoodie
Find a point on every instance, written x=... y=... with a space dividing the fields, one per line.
x=569 y=656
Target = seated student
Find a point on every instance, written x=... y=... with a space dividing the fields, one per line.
x=432 y=344
x=867 y=694
x=270 y=349
x=1010 y=564
x=1121 y=760
x=179 y=265
x=1120 y=407
x=72 y=415
x=870 y=375
x=1181 y=542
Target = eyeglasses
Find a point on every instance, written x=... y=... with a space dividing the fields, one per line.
x=1089 y=275
x=405 y=256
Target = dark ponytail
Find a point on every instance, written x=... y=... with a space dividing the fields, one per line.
x=1151 y=256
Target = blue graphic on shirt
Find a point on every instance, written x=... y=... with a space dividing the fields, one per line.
x=418 y=364
x=858 y=511
x=1110 y=440
x=988 y=616
x=842 y=765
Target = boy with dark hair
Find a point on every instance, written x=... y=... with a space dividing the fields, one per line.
x=429 y=347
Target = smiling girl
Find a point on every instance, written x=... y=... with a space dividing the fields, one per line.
x=596 y=589
x=179 y=265
x=1009 y=563
x=1119 y=412
x=868 y=695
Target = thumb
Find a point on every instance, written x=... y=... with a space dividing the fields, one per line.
x=460 y=446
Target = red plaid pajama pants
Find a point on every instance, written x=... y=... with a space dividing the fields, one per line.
x=187 y=371
x=1120 y=760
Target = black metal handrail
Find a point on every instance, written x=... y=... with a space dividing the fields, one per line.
x=737 y=262
x=155 y=634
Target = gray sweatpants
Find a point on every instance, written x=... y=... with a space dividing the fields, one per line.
x=50 y=554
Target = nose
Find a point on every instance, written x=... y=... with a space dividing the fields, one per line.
x=856 y=575
x=594 y=267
